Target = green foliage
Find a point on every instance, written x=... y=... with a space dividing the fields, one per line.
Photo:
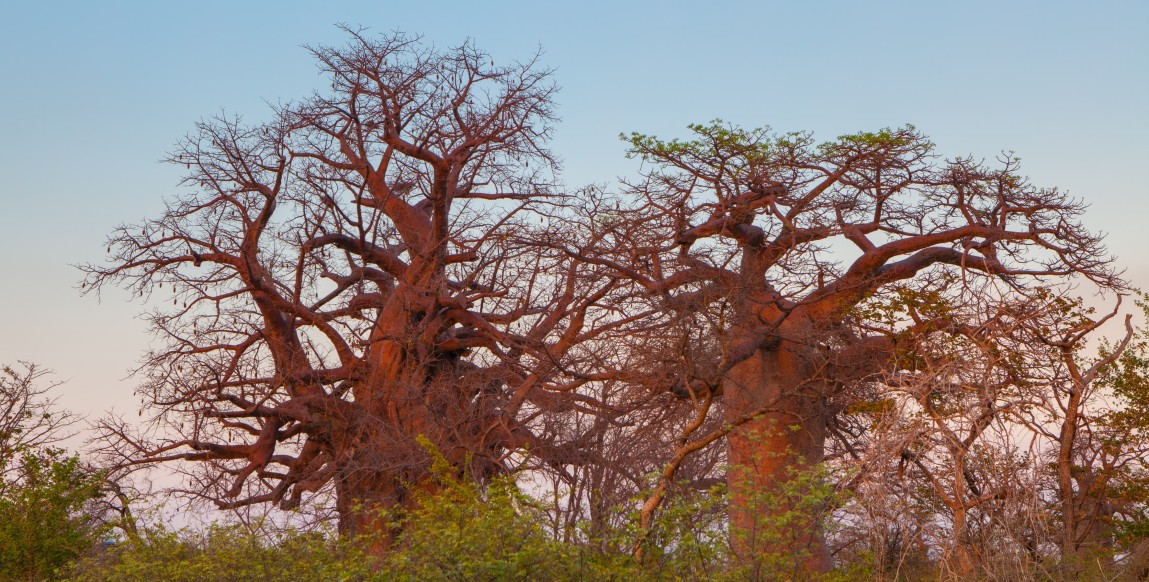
x=1125 y=429
x=225 y=553
x=716 y=140
x=733 y=153
x=43 y=525
x=688 y=539
x=44 y=492
x=457 y=529
x=464 y=532
x=787 y=518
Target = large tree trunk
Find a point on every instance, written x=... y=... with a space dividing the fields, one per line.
x=416 y=404
x=388 y=466
x=770 y=456
x=363 y=506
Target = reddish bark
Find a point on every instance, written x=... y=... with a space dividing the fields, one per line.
x=1085 y=468
x=387 y=260
x=357 y=273
x=735 y=225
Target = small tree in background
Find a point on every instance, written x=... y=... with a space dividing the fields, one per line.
x=29 y=418
x=44 y=492
x=1094 y=416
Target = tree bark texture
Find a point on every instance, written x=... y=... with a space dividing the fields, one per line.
x=785 y=438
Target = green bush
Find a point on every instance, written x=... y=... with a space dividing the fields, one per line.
x=43 y=525
x=460 y=530
x=464 y=531
x=224 y=553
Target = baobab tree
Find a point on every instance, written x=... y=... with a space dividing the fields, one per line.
x=354 y=281
x=783 y=241
x=387 y=266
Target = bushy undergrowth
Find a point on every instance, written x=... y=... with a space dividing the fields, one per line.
x=463 y=532
x=467 y=532
x=223 y=553
x=43 y=522
x=459 y=530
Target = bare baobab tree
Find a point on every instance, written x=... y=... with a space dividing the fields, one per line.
x=355 y=280
x=783 y=241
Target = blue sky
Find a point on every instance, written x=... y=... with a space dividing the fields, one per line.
x=92 y=94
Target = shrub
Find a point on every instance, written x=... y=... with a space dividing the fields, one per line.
x=43 y=524
x=224 y=552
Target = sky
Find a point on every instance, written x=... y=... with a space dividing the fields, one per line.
x=93 y=94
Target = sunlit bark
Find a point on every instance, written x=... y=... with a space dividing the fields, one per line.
x=356 y=274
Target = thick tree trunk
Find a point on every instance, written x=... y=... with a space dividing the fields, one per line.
x=363 y=506
x=388 y=470
x=414 y=406
x=768 y=456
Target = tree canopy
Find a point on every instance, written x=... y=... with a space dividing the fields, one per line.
x=386 y=280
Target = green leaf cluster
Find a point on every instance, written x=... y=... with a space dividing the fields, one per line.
x=44 y=524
